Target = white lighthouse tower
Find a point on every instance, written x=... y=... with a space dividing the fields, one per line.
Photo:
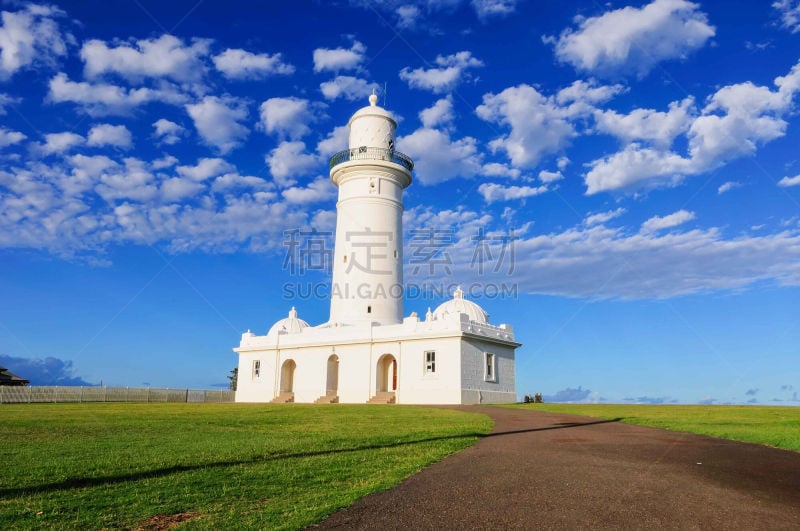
x=368 y=253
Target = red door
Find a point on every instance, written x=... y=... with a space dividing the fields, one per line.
x=394 y=375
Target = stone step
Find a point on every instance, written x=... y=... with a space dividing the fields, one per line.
x=283 y=398
x=327 y=399
x=383 y=397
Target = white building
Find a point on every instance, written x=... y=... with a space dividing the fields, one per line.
x=367 y=351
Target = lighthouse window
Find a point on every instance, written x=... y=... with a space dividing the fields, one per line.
x=256 y=368
x=490 y=373
x=430 y=362
x=369 y=309
x=345 y=258
x=395 y=253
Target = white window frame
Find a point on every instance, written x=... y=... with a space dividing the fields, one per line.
x=429 y=362
x=489 y=367
x=256 y=369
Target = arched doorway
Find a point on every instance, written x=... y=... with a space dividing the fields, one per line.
x=287 y=376
x=387 y=374
x=332 y=386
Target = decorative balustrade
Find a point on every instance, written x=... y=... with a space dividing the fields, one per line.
x=372 y=153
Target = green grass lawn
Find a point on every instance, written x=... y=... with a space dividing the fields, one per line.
x=219 y=465
x=773 y=426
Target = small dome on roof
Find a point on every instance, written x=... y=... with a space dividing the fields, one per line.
x=458 y=304
x=288 y=325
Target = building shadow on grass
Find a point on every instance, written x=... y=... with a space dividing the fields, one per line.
x=77 y=483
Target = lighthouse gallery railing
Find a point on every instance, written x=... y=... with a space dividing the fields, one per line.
x=372 y=153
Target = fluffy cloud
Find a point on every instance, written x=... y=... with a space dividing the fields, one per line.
x=217 y=121
x=492 y=192
x=110 y=135
x=336 y=141
x=337 y=59
x=790 y=181
x=491 y=8
x=441 y=113
x=9 y=137
x=602 y=217
x=289 y=160
x=168 y=132
x=347 y=87
x=164 y=57
x=438 y=158
x=205 y=169
x=790 y=14
x=449 y=71
x=176 y=189
x=569 y=395
x=730 y=185
x=647 y=125
x=407 y=16
x=538 y=125
x=550 y=176
x=100 y=99
x=666 y=222
x=735 y=121
x=47 y=371
x=495 y=169
x=288 y=117
x=241 y=64
x=60 y=142
x=320 y=189
x=634 y=40
x=30 y=36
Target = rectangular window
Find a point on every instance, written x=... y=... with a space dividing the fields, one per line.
x=430 y=362
x=256 y=368
x=490 y=368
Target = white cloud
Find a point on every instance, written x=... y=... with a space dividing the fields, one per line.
x=233 y=180
x=217 y=121
x=407 y=16
x=490 y=8
x=495 y=169
x=665 y=222
x=562 y=163
x=336 y=141
x=347 y=87
x=736 y=120
x=167 y=161
x=728 y=186
x=492 y=192
x=9 y=137
x=789 y=11
x=30 y=36
x=289 y=161
x=440 y=114
x=60 y=142
x=550 y=176
x=449 y=72
x=438 y=158
x=164 y=57
x=790 y=181
x=538 y=125
x=288 y=117
x=602 y=217
x=337 y=59
x=131 y=181
x=205 y=169
x=5 y=101
x=241 y=64
x=99 y=99
x=110 y=135
x=168 y=132
x=320 y=189
x=648 y=125
x=634 y=40
x=176 y=188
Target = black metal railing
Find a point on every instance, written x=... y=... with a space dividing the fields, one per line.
x=372 y=153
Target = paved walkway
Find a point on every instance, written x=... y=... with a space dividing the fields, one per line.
x=548 y=471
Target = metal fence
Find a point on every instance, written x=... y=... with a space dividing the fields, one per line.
x=56 y=393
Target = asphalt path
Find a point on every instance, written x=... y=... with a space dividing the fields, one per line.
x=540 y=470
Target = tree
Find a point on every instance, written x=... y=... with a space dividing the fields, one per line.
x=234 y=378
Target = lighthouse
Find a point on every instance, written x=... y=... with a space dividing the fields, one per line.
x=368 y=351
x=367 y=284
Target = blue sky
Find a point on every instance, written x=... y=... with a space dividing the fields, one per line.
x=643 y=156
